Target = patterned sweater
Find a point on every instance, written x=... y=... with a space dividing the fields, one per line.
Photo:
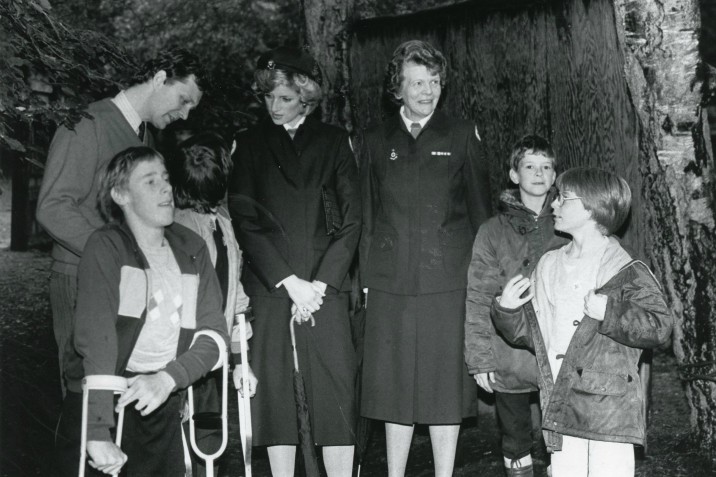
x=112 y=307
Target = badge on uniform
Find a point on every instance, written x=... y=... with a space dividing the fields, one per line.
x=441 y=153
x=393 y=155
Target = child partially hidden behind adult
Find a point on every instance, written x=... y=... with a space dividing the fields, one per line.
x=588 y=312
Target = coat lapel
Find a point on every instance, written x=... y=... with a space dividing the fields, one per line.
x=281 y=148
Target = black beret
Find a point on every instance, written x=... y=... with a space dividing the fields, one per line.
x=292 y=60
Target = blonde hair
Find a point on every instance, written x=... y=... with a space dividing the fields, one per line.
x=308 y=90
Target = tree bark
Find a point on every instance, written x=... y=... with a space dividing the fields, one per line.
x=327 y=36
x=662 y=67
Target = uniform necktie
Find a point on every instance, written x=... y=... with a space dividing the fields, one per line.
x=142 y=128
x=415 y=129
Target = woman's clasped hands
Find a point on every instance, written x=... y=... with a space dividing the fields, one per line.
x=307 y=297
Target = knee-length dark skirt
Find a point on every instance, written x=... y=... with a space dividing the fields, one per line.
x=413 y=367
x=328 y=365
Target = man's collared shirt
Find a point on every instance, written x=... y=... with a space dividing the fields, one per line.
x=129 y=113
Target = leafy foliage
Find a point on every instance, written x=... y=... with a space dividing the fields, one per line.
x=228 y=35
x=49 y=72
x=55 y=61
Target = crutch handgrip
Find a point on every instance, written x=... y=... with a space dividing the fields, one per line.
x=99 y=382
x=105 y=382
x=224 y=364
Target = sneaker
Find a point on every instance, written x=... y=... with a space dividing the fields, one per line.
x=516 y=470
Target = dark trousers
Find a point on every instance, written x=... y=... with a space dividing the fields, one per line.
x=515 y=418
x=63 y=295
x=153 y=443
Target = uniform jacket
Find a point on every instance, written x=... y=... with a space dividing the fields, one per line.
x=112 y=306
x=508 y=244
x=275 y=201
x=423 y=201
x=67 y=203
x=597 y=394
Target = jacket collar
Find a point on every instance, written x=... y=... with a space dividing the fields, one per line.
x=511 y=204
x=284 y=150
x=184 y=244
x=438 y=123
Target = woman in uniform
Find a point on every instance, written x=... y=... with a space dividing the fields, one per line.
x=425 y=192
x=295 y=202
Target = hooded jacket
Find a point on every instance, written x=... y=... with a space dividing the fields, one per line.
x=508 y=244
x=597 y=394
x=112 y=307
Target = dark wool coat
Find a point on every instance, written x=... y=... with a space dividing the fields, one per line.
x=597 y=394
x=423 y=201
x=276 y=204
x=508 y=244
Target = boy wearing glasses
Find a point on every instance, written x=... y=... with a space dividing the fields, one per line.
x=590 y=310
x=508 y=244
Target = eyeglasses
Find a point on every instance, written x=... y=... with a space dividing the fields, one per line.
x=561 y=199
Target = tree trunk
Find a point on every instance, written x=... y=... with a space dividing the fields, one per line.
x=662 y=67
x=326 y=34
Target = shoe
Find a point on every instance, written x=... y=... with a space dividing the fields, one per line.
x=515 y=470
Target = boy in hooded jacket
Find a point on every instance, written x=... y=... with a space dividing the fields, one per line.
x=508 y=244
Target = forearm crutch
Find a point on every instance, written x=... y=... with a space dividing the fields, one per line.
x=99 y=382
x=245 y=400
x=224 y=364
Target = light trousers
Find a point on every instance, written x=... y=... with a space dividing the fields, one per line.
x=587 y=458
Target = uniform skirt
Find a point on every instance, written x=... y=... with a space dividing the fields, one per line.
x=414 y=370
x=328 y=365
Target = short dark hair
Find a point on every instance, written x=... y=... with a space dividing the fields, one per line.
x=412 y=51
x=116 y=174
x=606 y=195
x=531 y=144
x=200 y=173
x=178 y=64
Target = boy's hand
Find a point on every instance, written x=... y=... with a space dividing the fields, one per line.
x=105 y=456
x=483 y=380
x=149 y=390
x=512 y=295
x=238 y=382
x=595 y=305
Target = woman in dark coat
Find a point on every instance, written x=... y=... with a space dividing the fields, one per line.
x=425 y=192
x=289 y=169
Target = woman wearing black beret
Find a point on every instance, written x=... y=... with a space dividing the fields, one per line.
x=289 y=169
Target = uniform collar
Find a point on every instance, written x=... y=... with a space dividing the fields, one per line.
x=438 y=121
x=408 y=122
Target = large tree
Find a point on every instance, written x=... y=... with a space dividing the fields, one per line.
x=666 y=86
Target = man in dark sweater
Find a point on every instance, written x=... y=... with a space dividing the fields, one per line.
x=164 y=90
